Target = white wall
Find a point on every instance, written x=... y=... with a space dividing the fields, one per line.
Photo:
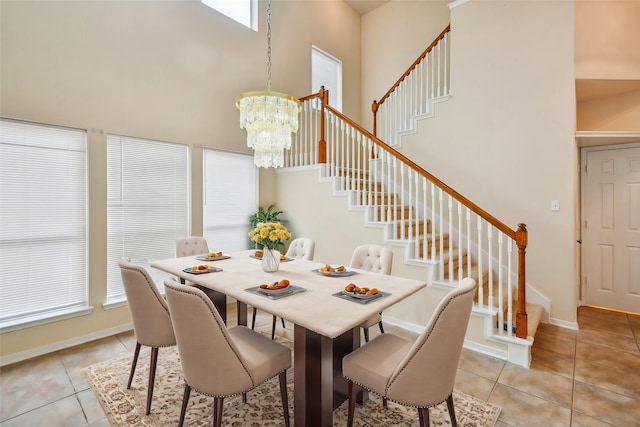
x=168 y=70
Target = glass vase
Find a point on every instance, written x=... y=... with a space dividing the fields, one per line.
x=270 y=260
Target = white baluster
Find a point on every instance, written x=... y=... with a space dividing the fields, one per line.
x=480 y=275
x=433 y=222
x=489 y=260
x=450 y=239
x=500 y=283
x=509 y=289
x=440 y=231
x=460 y=229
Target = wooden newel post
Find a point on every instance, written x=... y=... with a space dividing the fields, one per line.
x=374 y=108
x=521 y=313
x=322 y=144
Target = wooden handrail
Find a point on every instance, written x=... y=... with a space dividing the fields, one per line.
x=449 y=190
x=520 y=236
x=376 y=104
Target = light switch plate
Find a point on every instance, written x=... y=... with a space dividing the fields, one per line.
x=555 y=205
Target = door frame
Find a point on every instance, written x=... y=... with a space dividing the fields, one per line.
x=584 y=150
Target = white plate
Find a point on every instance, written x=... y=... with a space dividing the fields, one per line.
x=275 y=291
x=213 y=258
x=344 y=272
x=208 y=270
x=360 y=296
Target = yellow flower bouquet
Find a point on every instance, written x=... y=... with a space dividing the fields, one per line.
x=269 y=235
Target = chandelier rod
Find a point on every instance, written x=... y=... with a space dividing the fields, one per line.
x=268 y=45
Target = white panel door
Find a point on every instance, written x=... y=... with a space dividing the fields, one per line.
x=612 y=229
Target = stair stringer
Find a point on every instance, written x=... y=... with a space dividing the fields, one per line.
x=413 y=120
x=482 y=335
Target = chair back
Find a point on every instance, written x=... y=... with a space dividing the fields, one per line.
x=302 y=247
x=190 y=246
x=149 y=311
x=210 y=360
x=427 y=374
x=375 y=258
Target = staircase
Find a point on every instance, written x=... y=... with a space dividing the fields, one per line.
x=439 y=228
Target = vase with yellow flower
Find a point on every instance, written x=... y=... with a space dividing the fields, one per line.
x=270 y=236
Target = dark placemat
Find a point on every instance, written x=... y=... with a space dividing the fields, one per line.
x=282 y=260
x=345 y=273
x=343 y=295
x=215 y=258
x=208 y=270
x=294 y=290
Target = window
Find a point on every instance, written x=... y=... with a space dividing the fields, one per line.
x=242 y=11
x=148 y=205
x=43 y=227
x=326 y=70
x=230 y=196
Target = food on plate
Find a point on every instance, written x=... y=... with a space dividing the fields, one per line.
x=214 y=254
x=200 y=267
x=355 y=289
x=328 y=269
x=258 y=253
x=275 y=285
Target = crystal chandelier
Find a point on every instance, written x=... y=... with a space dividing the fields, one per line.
x=269 y=117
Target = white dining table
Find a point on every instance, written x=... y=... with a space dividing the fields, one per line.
x=326 y=327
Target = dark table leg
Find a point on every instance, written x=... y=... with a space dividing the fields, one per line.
x=318 y=382
x=218 y=299
x=242 y=313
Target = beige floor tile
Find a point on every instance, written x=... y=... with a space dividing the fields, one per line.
x=62 y=413
x=31 y=384
x=581 y=420
x=101 y=423
x=502 y=424
x=90 y=406
x=604 y=321
x=480 y=364
x=623 y=381
x=606 y=356
x=560 y=344
x=128 y=339
x=552 y=387
x=473 y=384
x=523 y=409
x=607 y=339
x=76 y=358
x=552 y=362
x=548 y=328
x=605 y=405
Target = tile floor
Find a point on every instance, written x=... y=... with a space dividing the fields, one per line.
x=585 y=378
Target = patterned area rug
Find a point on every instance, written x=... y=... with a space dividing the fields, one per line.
x=123 y=407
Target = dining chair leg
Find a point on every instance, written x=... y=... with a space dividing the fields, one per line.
x=152 y=377
x=244 y=397
x=285 y=399
x=134 y=362
x=185 y=402
x=423 y=416
x=217 y=411
x=384 y=402
x=352 y=403
x=273 y=328
x=282 y=323
x=366 y=334
x=452 y=410
x=381 y=328
x=253 y=321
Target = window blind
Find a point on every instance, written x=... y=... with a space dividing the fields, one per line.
x=230 y=196
x=43 y=235
x=148 y=205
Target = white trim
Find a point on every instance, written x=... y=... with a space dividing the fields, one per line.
x=61 y=345
x=115 y=303
x=48 y=317
x=457 y=3
x=564 y=323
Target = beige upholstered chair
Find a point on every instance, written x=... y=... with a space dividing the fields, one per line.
x=190 y=246
x=217 y=361
x=150 y=316
x=303 y=248
x=419 y=374
x=377 y=259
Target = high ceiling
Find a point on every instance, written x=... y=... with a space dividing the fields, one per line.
x=365 y=6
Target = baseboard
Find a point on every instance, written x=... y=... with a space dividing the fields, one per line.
x=61 y=345
x=564 y=324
